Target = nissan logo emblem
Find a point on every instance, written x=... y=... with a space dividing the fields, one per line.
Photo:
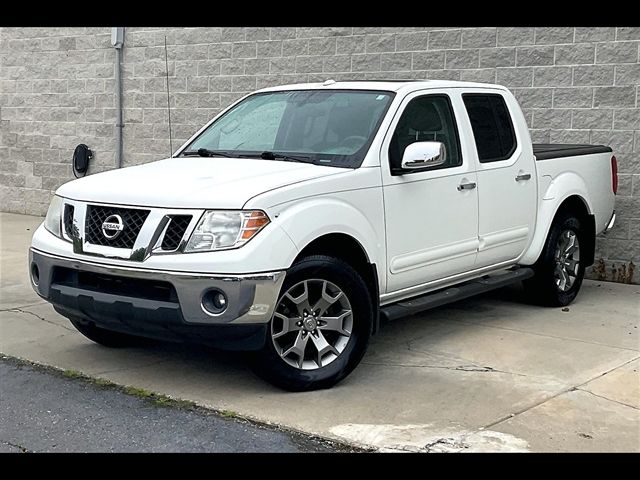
x=112 y=226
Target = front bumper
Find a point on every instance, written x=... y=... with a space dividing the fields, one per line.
x=93 y=290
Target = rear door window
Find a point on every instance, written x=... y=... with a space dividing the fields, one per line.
x=492 y=126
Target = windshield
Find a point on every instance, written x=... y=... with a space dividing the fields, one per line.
x=327 y=127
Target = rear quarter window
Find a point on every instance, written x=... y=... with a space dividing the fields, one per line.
x=492 y=126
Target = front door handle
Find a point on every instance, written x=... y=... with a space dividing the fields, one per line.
x=466 y=186
x=523 y=176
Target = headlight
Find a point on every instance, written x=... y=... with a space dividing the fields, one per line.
x=54 y=215
x=219 y=229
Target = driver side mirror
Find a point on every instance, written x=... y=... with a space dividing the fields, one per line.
x=420 y=155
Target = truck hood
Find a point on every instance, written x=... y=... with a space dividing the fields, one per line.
x=188 y=182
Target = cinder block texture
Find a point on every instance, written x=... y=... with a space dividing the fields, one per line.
x=57 y=90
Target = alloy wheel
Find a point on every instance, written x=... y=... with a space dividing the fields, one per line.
x=312 y=324
x=567 y=260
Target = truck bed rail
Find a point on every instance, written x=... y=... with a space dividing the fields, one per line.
x=548 y=151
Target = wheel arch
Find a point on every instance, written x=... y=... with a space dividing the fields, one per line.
x=576 y=204
x=350 y=250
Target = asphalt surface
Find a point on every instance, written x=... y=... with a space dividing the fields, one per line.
x=42 y=411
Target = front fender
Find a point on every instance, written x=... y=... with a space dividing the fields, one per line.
x=565 y=185
x=305 y=221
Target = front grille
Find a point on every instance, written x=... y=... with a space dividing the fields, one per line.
x=132 y=219
x=67 y=220
x=124 y=286
x=175 y=231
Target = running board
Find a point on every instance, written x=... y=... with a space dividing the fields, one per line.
x=414 y=305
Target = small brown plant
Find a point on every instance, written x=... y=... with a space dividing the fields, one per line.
x=600 y=270
x=630 y=272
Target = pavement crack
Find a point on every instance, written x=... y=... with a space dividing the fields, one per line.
x=23 y=306
x=559 y=337
x=400 y=448
x=460 y=368
x=557 y=394
x=451 y=358
x=15 y=445
x=474 y=368
x=39 y=317
x=448 y=443
x=607 y=398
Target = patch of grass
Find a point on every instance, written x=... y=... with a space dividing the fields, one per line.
x=102 y=382
x=157 y=398
x=137 y=392
x=164 y=401
x=99 y=382
x=72 y=374
x=228 y=414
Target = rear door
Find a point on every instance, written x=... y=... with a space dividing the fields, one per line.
x=507 y=192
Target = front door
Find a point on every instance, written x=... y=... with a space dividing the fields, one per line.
x=431 y=216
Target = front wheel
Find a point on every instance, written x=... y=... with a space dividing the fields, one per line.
x=559 y=271
x=320 y=328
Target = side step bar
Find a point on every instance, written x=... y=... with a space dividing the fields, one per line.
x=404 y=308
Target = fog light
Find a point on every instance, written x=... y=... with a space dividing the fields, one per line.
x=35 y=274
x=214 y=301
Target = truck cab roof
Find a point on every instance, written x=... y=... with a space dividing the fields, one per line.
x=388 y=85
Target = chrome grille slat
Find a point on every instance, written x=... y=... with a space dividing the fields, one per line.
x=175 y=231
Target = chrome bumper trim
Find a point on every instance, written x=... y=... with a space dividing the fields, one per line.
x=251 y=297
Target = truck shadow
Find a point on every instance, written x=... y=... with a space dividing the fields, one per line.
x=425 y=331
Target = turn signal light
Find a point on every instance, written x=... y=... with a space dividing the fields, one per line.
x=252 y=223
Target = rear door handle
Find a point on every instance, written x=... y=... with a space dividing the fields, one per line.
x=466 y=186
x=523 y=176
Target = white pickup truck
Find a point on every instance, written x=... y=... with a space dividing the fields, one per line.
x=302 y=214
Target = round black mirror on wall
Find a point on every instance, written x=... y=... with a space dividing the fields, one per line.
x=81 y=156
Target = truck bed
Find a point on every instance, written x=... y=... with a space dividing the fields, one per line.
x=583 y=169
x=548 y=151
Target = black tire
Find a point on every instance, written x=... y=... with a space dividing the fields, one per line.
x=268 y=363
x=542 y=288
x=106 y=338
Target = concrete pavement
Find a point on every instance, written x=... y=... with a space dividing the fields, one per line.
x=487 y=374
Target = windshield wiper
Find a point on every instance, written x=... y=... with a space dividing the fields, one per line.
x=288 y=158
x=205 y=152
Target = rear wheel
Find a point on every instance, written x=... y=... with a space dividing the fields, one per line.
x=320 y=328
x=107 y=338
x=559 y=271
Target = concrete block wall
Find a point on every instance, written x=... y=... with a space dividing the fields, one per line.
x=575 y=85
